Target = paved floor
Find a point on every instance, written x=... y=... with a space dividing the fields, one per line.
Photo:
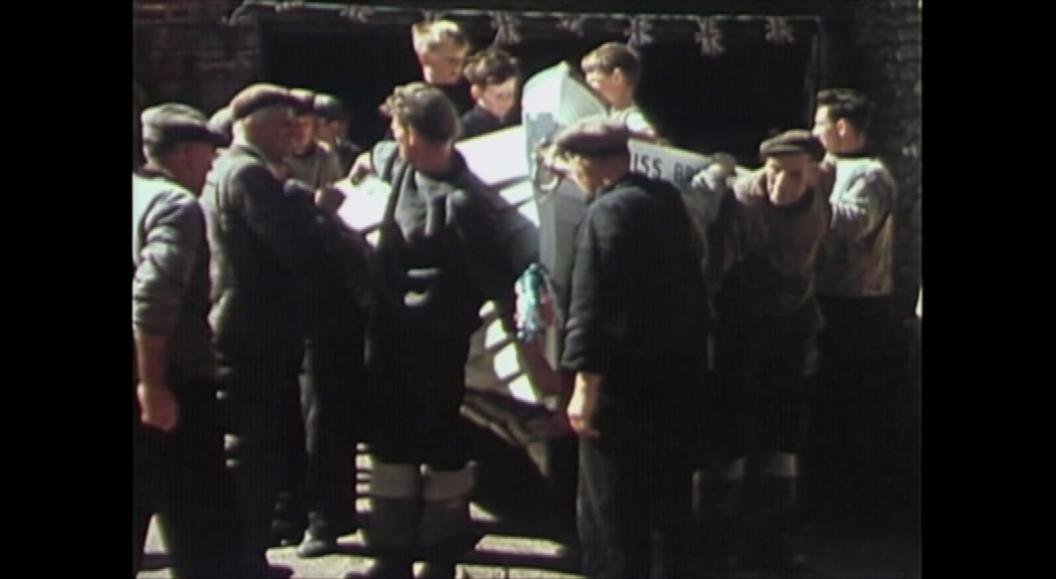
x=512 y=549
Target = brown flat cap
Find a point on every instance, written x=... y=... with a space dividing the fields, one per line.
x=793 y=142
x=594 y=137
x=171 y=123
x=257 y=96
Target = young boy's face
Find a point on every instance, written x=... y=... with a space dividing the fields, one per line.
x=497 y=99
x=443 y=64
x=612 y=86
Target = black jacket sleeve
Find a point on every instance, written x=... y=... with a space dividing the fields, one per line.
x=592 y=331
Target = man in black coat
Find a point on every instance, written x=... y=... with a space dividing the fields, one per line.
x=259 y=278
x=635 y=340
x=448 y=243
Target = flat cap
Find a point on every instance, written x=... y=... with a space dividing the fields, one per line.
x=257 y=96
x=221 y=122
x=594 y=137
x=305 y=99
x=171 y=123
x=329 y=107
x=793 y=142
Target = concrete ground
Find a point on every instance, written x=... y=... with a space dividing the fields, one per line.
x=515 y=545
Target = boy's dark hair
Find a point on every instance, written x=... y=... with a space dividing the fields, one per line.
x=491 y=66
x=849 y=105
x=612 y=55
x=424 y=108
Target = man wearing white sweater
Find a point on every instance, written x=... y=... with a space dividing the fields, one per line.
x=854 y=285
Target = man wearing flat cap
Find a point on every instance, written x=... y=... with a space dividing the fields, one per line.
x=448 y=243
x=769 y=232
x=178 y=464
x=331 y=127
x=310 y=161
x=262 y=251
x=635 y=341
x=317 y=499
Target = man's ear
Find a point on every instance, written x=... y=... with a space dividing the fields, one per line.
x=413 y=138
x=843 y=128
x=476 y=91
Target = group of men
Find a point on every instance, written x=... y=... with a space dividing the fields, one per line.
x=269 y=334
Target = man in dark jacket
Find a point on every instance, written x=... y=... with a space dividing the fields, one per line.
x=260 y=250
x=447 y=244
x=332 y=128
x=769 y=233
x=177 y=441
x=635 y=341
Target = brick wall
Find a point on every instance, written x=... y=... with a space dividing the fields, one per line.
x=183 y=51
x=887 y=37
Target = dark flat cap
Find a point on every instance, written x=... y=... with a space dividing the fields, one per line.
x=329 y=107
x=594 y=137
x=793 y=142
x=171 y=123
x=257 y=96
x=305 y=99
x=221 y=122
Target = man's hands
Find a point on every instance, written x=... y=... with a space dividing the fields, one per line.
x=329 y=199
x=716 y=175
x=360 y=168
x=158 y=407
x=583 y=404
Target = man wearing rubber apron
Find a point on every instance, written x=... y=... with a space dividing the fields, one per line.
x=447 y=244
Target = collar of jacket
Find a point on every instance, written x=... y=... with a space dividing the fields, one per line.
x=154 y=172
x=254 y=151
x=454 y=172
x=863 y=153
x=627 y=178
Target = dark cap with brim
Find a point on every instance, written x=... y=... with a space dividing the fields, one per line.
x=171 y=123
x=221 y=122
x=258 y=96
x=329 y=107
x=305 y=101
x=594 y=137
x=793 y=142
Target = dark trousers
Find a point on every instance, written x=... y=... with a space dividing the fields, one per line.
x=762 y=403
x=417 y=384
x=331 y=390
x=632 y=510
x=291 y=516
x=180 y=477
x=854 y=430
x=258 y=391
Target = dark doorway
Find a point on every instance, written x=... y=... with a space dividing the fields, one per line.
x=725 y=103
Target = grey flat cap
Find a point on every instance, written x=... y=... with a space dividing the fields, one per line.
x=172 y=123
x=594 y=137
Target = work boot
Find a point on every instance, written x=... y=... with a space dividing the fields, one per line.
x=438 y=569
x=320 y=539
